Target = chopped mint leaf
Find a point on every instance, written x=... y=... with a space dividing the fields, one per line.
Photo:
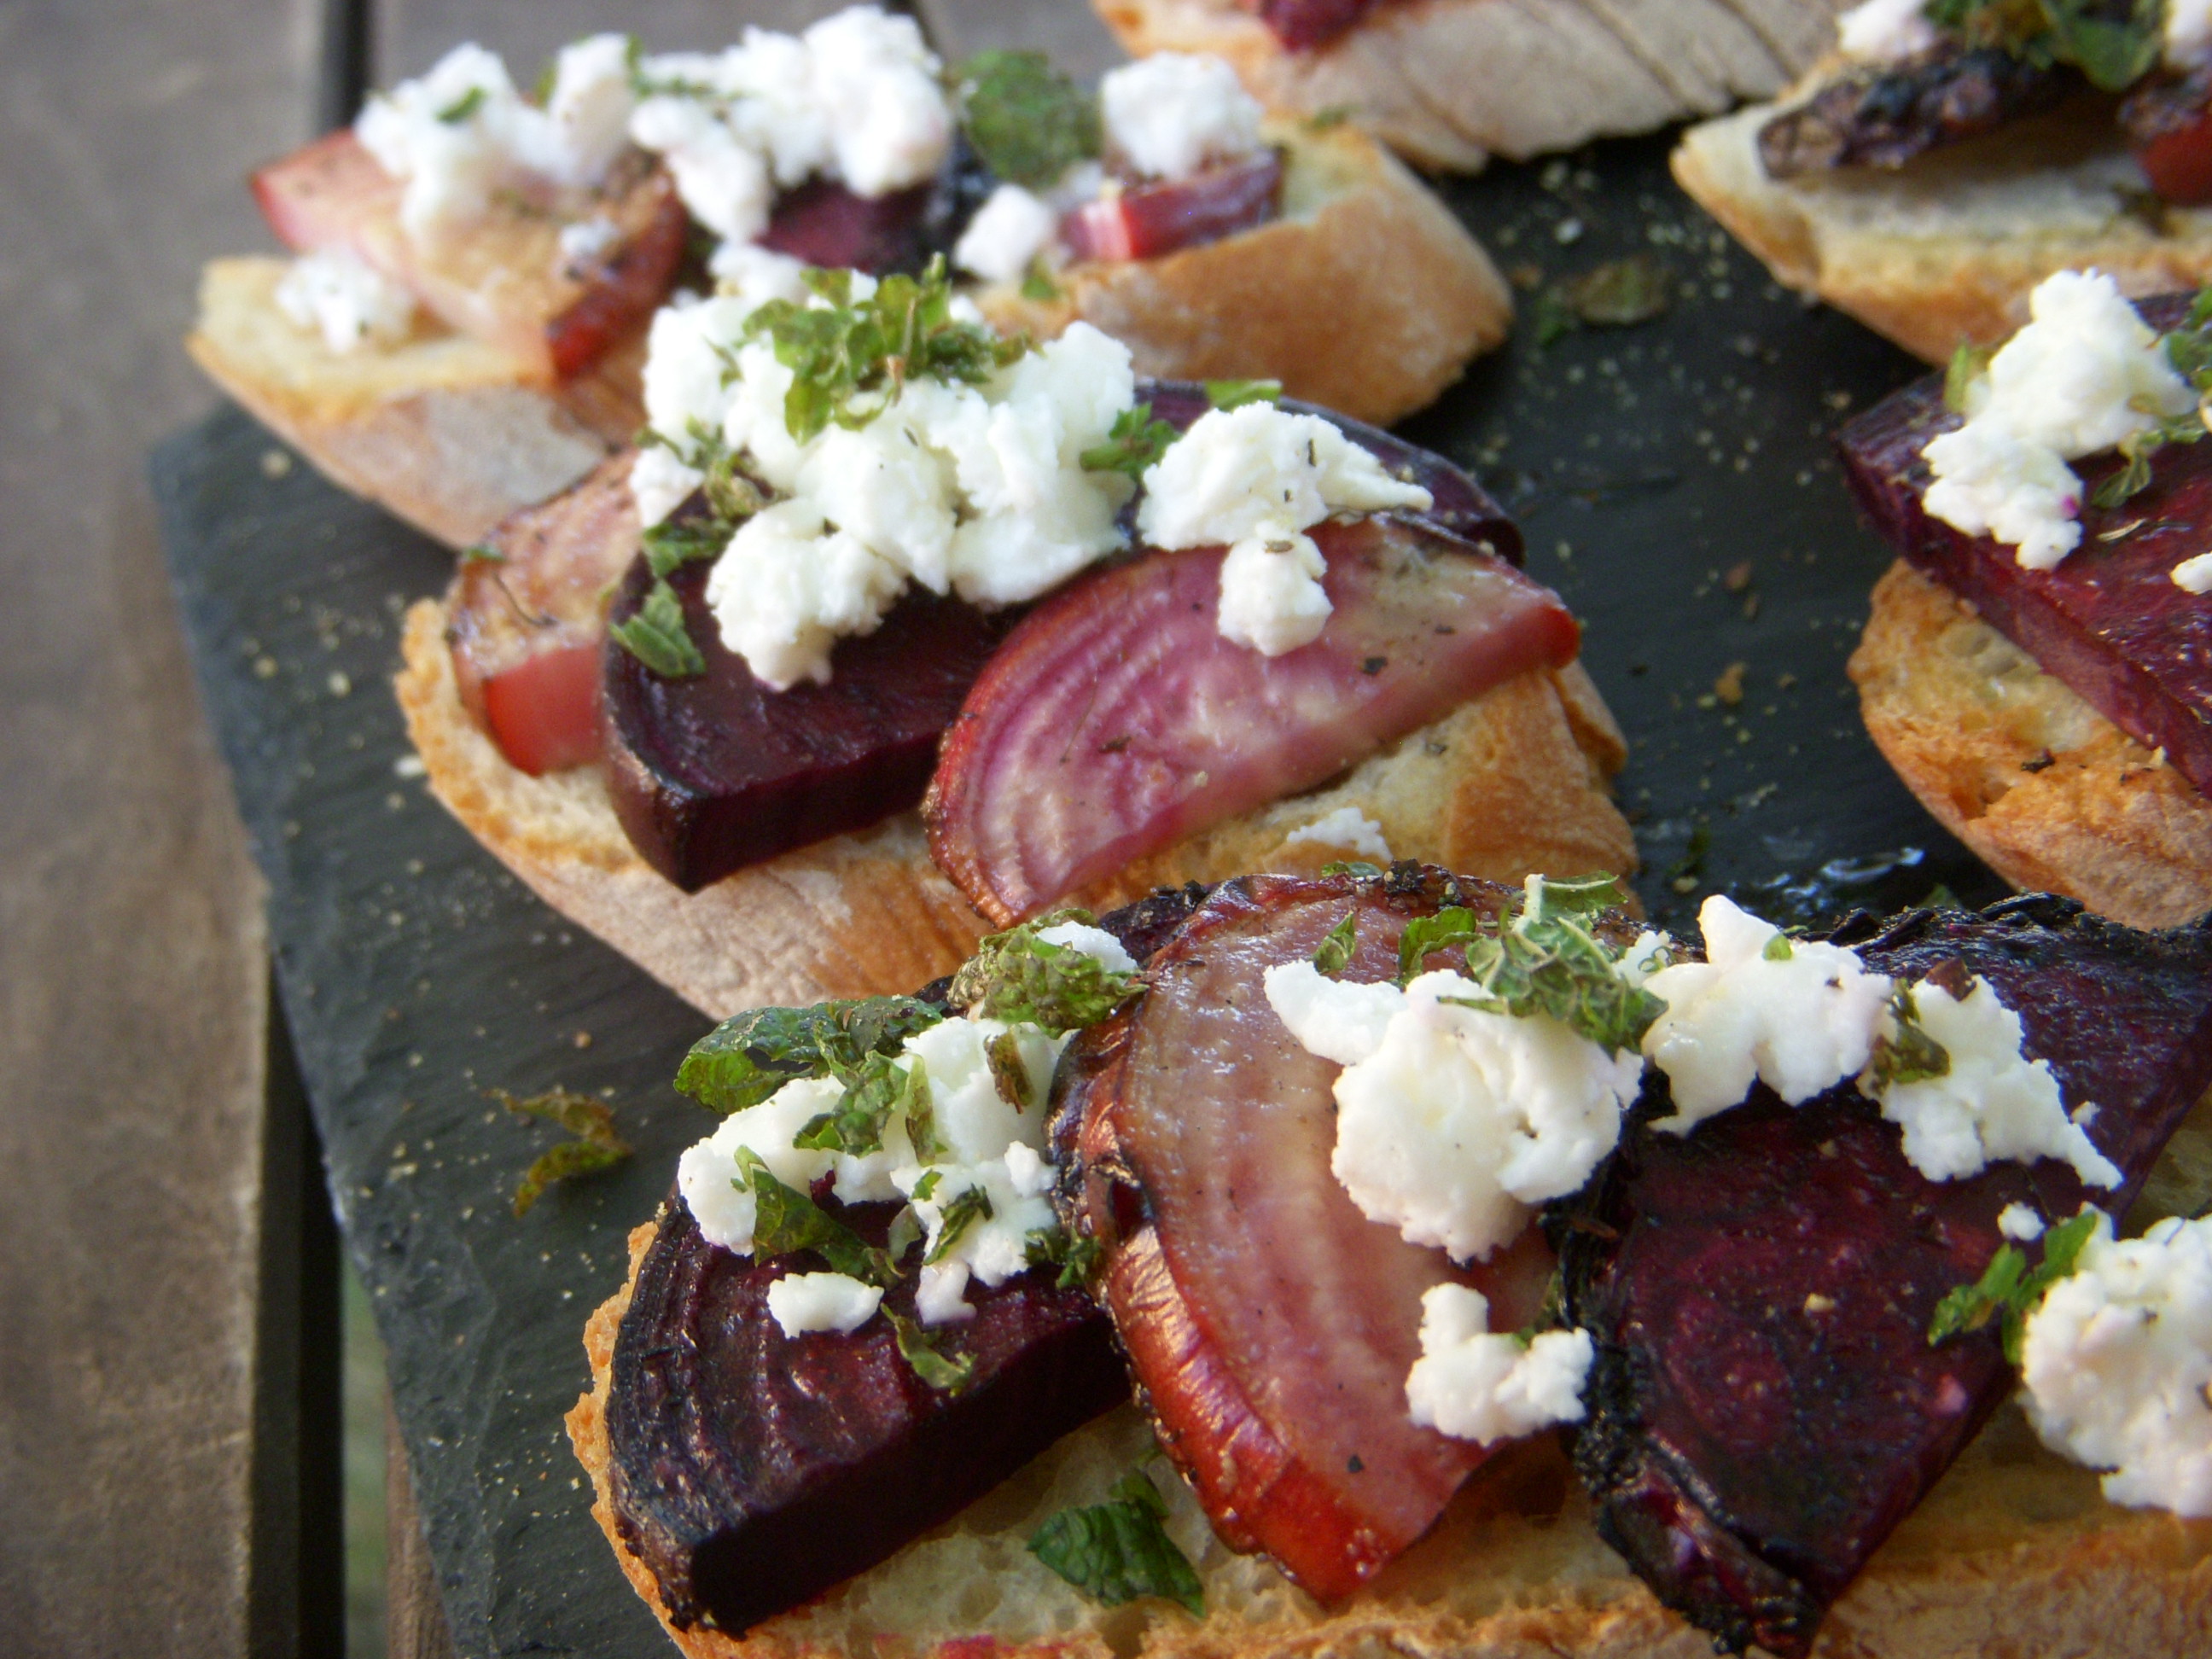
x=1779 y=949
x=1582 y=897
x=483 y=553
x=1076 y=1255
x=924 y=1188
x=1358 y=869
x=743 y=1060
x=878 y=1087
x=1969 y=363
x=1330 y=115
x=2113 y=53
x=1027 y=121
x=785 y=1220
x=962 y=1210
x=1614 y=295
x=596 y=1146
x=1542 y=961
x=1016 y=977
x=1119 y=1551
x=2007 y=1290
x=1037 y=282
x=1008 y=1074
x=941 y=1371
x=904 y=1234
x=655 y=635
x=462 y=107
x=1424 y=936
x=1134 y=442
x=1335 y=951
x=1910 y=1055
x=922 y=1117
x=1235 y=394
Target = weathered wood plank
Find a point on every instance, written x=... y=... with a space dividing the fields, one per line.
x=130 y=929
x=1067 y=31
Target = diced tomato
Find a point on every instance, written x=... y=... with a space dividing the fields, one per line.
x=543 y=713
x=1146 y=221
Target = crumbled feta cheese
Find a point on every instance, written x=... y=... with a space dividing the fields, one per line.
x=2194 y=574
x=800 y=1302
x=1473 y=1386
x=660 y=481
x=2019 y=1222
x=1461 y=1118
x=2083 y=374
x=336 y=292
x=2187 y=33
x=706 y=1175
x=2117 y=1360
x=1009 y=230
x=587 y=239
x=1798 y=1022
x=1884 y=31
x=1271 y=593
x=753 y=275
x=1346 y=826
x=877 y=87
x=684 y=358
x=1169 y=114
x=586 y=114
x=1338 y=1019
x=788 y=586
x=1101 y=947
x=1992 y=1102
x=940 y=1294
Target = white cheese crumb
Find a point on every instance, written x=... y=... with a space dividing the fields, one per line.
x=1992 y=1102
x=587 y=239
x=336 y=292
x=1884 y=31
x=1799 y=1024
x=706 y=1174
x=1271 y=598
x=2083 y=374
x=787 y=587
x=1461 y=1118
x=2019 y=1222
x=2187 y=33
x=1171 y=114
x=2194 y=574
x=940 y=1294
x=1096 y=942
x=2117 y=1361
x=1336 y=1018
x=1009 y=230
x=659 y=481
x=800 y=1302
x=752 y=275
x=1473 y=1386
x=1346 y=826
x=877 y=87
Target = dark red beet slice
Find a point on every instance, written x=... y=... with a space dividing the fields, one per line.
x=751 y=1470
x=1765 y=1407
x=825 y=224
x=2169 y=128
x=716 y=772
x=524 y=626
x=502 y=280
x=1302 y=25
x=2109 y=621
x=1146 y=221
x=1269 y=1324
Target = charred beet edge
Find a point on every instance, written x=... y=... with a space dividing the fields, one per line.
x=2109 y=621
x=2168 y=124
x=751 y=1470
x=1765 y=1407
x=1146 y=221
x=716 y=772
x=1884 y=117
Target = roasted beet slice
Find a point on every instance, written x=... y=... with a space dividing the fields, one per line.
x=524 y=624
x=825 y=224
x=2109 y=621
x=1884 y=116
x=751 y=1470
x=1765 y=1407
x=1144 y=221
x=1306 y=25
x=1116 y=720
x=716 y=772
x=504 y=280
x=2168 y=123
x=1269 y=1324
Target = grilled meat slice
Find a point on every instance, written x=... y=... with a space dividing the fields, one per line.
x=1883 y=116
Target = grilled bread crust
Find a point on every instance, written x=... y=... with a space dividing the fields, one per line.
x=1948 y=247
x=2049 y=794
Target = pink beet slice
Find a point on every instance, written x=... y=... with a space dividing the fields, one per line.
x=1146 y=221
x=2109 y=621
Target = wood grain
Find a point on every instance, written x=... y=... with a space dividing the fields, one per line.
x=131 y=950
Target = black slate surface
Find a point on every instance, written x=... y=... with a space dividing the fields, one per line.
x=1646 y=464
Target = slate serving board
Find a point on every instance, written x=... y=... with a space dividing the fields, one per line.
x=1674 y=481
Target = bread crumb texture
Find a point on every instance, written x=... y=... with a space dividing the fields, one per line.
x=2045 y=790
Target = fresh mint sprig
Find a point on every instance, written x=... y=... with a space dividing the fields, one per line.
x=1027 y=122
x=1120 y=1550
x=2007 y=1290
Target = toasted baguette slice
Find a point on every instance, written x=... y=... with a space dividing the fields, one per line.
x=2014 y=1552
x=1511 y=782
x=1365 y=296
x=446 y=432
x=2046 y=791
x=1947 y=248
x=1450 y=82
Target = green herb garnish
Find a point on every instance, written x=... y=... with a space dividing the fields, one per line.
x=1235 y=394
x=878 y=1087
x=2113 y=53
x=743 y=1060
x=1541 y=958
x=1120 y=1550
x=1028 y=122
x=1907 y=1053
x=483 y=553
x=941 y=1371
x=2006 y=1289
x=1356 y=869
x=1331 y=115
x=1018 y=977
x=785 y=1220
x=1615 y=294
x=655 y=635
x=961 y=1211
x=1009 y=1075
x=1037 y=283
x=595 y=1147
x=1075 y=1255
x=1778 y=949
x=1334 y=951
x=462 y=107
x=1134 y=442
x=1969 y=363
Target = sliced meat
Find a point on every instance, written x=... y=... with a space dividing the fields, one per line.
x=1269 y=1325
x=2109 y=621
x=825 y=224
x=751 y=1470
x=525 y=624
x=1765 y=1407
x=504 y=280
x=716 y=772
x=1144 y=221
x=1884 y=117
x=1115 y=720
